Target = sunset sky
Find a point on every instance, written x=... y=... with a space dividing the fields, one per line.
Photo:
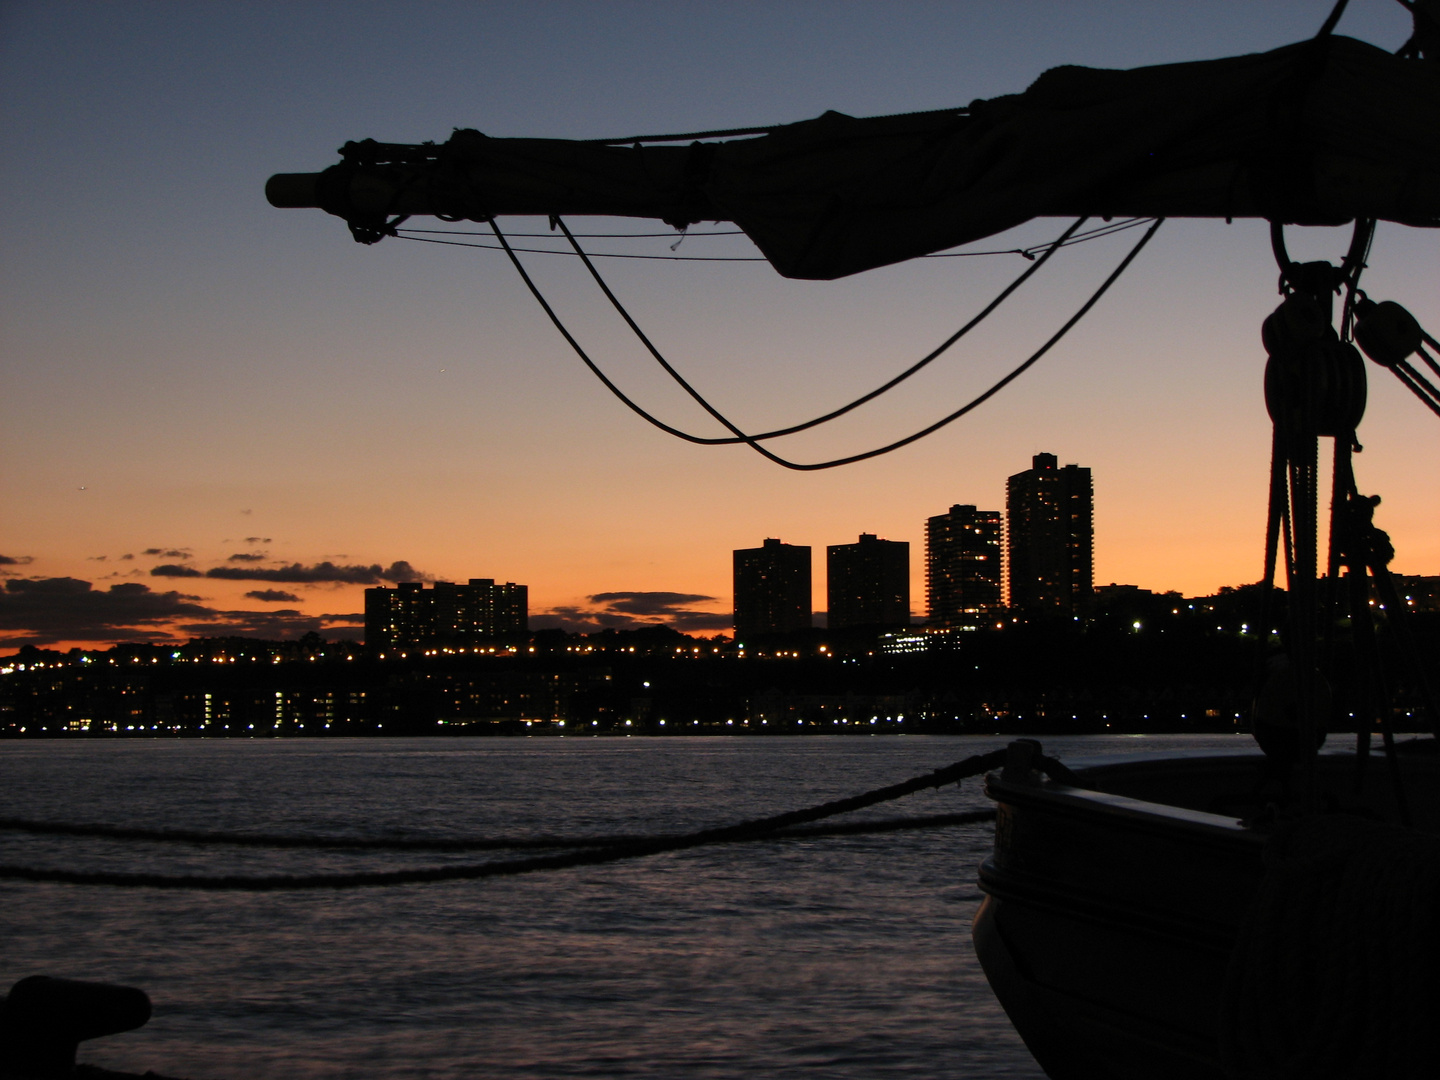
x=195 y=382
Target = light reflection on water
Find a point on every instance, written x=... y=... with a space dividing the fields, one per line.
x=842 y=957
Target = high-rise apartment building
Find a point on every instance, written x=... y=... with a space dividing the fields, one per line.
x=772 y=589
x=413 y=616
x=868 y=583
x=1050 y=525
x=963 y=567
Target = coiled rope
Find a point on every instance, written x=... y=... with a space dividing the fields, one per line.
x=778 y=826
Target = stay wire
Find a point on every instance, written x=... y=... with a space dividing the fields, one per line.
x=591 y=236
x=852 y=458
x=570 y=255
x=834 y=413
x=425 y=236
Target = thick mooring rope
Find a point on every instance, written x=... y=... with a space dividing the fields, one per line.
x=542 y=842
x=778 y=826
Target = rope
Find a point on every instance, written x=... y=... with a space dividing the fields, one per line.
x=357 y=843
x=834 y=413
x=570 y=255
x=1334 y=17
x=752 y=441
x=427 y=236
x=670 y=235
x=638 y=847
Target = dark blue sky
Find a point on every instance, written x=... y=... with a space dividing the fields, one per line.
x=186 y=367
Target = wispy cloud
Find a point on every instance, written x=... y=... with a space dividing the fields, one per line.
x=629 y=610
x=174 y=570
x=273 y=596
x=42 y=611
x=320 y=573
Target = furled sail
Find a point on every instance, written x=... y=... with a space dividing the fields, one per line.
x=1314 y=133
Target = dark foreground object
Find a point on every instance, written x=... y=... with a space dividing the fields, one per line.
x=43 y=1020
x=1140 y=930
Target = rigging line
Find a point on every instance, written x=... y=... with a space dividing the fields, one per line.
x=1415 y=389
x=835 y=413
x=635 y=407
x=1335 y=13
x=961 y=110
x=671 y=235
x=580 y=351
x=896 y=445
x=1430 y=360
x=981 y=399
x=1097 y=233
x=600 y=255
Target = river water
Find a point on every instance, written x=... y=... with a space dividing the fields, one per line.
x=834 y=958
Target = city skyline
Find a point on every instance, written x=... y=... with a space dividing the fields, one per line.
x=223 y=418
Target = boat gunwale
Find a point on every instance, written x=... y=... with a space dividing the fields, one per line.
x=1138 y=813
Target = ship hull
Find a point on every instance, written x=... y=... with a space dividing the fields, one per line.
x=1111 y=916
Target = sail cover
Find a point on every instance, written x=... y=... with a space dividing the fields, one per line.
x=1315 y=133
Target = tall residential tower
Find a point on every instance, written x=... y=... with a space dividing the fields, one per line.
x=962 y=567
x=772 y=589
x=1050 y=525
x=868 y=583
x=411 y=616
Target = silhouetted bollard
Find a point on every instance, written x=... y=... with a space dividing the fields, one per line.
x=43 y=1020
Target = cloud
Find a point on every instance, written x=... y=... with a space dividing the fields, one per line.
x=321 y=573
x=96 y=558
x=257 y=539
x=273 y=596
x=630 y=610
x=42 y=610
x=169 y=553
x=126 y=558
x=16 y=560
x=276 y=625
x=174 y=570
x=646 y=603
x=247 y=556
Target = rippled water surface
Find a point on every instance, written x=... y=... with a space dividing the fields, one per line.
x=845 y=957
